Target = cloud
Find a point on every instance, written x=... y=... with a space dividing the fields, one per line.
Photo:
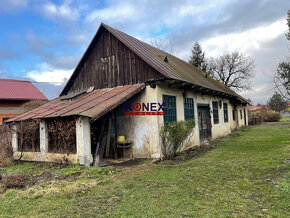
x=42 y=47
x=253 y=27
x=48 y=74
x=56 y=12
x=115 y=11
x=264 y=44
x=244 y=41
x=151 y=17
x=12 y=5
x=259 y=94
x=226 y=18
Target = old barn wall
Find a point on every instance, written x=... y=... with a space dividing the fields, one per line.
x=109 y=63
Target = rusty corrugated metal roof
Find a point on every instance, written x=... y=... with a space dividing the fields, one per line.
x=174 y=68
x=93 y=105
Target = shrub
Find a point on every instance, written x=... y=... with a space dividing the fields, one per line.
x=273 y=116
x=255 y=119
x=173 y=135
x=14 y=181
x=270 y=116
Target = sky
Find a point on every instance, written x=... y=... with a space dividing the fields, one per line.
x=43 y=40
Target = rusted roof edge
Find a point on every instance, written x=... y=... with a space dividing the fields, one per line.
x=131 y=94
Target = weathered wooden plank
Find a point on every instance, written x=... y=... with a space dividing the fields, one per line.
x=133 y=64
x=110 y=63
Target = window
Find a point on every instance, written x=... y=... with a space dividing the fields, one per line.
x=226 y=116
x=234 y=117
x=215 y=109
x=188 y=108
x=241 y=114
x=169 y=106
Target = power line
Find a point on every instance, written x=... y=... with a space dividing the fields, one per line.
x=49 y=82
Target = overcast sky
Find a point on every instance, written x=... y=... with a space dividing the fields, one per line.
x=44 y=40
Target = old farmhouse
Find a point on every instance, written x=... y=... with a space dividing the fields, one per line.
x=116 y=75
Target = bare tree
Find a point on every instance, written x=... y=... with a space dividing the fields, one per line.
x=234 y=70
x=161 y=44
x=282 y=79
x=288 y=24
x=282 y=76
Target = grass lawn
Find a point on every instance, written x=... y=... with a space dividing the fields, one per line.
x=285 y=120
x=246 y=175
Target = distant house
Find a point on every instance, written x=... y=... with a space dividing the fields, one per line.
x=256 y=108
x=15 y=93
x=125 y=87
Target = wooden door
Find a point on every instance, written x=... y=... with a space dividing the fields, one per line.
x=204 y=123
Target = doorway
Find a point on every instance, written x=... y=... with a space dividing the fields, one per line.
x=204 y=123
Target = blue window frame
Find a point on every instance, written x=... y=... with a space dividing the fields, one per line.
x=226 y=115
x=215 y=110
x=169 y=106
x=188 y=108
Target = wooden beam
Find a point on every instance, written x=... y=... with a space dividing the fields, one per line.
x=176 y=84
x=160 y=82
x=185 y=85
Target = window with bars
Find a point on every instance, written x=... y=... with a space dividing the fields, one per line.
x=188 y=108
x=169 y=106
x=215 y=110
x=226 y=115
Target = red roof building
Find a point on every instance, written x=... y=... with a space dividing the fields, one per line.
x=256 y=108
x=13 y=94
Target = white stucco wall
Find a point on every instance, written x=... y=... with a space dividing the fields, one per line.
x=142 y=130
x=147 y=128
x=164 y=90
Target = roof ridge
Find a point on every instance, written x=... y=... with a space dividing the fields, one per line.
x=146 y=44
x=153 y=47
x=15 y=80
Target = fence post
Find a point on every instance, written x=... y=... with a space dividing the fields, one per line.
x=14 y=139
x=83 y=139
x=43 y=135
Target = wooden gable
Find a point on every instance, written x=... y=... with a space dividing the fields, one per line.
x=109 y=63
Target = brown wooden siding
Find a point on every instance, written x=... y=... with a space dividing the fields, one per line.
x=109 y=64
